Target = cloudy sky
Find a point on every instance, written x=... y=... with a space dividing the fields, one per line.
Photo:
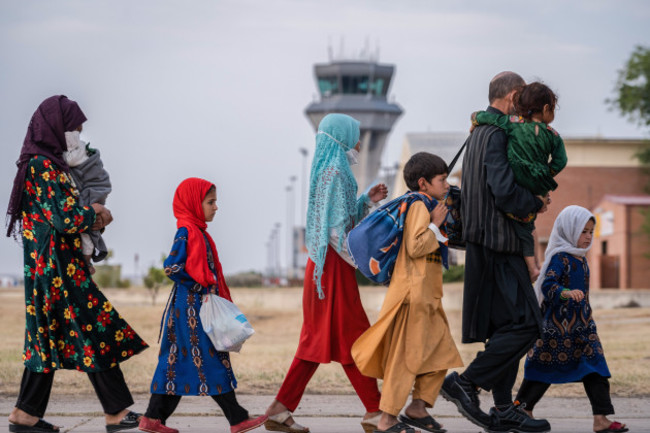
x=217 y=89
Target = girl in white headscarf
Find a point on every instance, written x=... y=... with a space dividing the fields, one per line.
x=569 y=349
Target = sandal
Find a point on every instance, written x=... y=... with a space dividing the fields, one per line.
x=615 y=427
x=370 y=425
x=130 y=420
x=427 y=423
x=41 y=426
x=277 y=423
x=397 y=428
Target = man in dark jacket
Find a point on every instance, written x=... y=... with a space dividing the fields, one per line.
x=499 y=305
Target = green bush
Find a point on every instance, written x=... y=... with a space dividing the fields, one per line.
x=454 y=274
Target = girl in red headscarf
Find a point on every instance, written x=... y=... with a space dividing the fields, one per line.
x=188 y=363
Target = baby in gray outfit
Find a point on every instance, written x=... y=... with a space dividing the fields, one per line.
x=94 y=184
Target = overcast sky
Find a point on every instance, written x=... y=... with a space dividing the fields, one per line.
x=217 y=89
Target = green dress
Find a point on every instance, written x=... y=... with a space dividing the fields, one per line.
x=69 y=323
x=530 y=145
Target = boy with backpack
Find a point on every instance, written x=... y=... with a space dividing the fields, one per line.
x=410 y=346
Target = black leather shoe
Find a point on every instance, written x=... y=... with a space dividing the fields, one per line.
x=130 y=420
x=514 y=419
x=465 y=396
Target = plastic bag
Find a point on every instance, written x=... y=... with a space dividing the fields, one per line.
x=224 y=323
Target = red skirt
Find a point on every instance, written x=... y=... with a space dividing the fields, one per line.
x=331 y=325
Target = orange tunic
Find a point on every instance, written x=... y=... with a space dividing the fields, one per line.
x=419 y=334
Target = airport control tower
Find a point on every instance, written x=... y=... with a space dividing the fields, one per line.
x=359 y=89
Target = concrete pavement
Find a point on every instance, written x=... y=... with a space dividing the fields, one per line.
x=326 y=413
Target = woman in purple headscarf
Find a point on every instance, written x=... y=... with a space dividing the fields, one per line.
x=69 y=323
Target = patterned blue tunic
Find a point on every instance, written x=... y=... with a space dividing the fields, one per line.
x=188 y=363
x=569 y=348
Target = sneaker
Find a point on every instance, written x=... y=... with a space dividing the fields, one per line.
x=465 y=396
x=514 y=419
x=154 y=426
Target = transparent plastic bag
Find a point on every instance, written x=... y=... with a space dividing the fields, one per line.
x=224 y=323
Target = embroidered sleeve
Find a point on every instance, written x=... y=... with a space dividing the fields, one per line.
x=552 y=287
x=49 y=189
x=175 y=262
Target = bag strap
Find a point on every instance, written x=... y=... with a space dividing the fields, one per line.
x=453 y=162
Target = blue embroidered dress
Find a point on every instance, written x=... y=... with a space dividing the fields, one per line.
x=188 y=363
x=569 y=348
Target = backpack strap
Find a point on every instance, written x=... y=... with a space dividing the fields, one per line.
x=453 y=162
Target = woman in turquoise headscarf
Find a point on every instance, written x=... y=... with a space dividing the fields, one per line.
x=333 y=317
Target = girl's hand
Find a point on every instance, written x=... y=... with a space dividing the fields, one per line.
x=439 y=213
x=378 y=192
x=576 y=295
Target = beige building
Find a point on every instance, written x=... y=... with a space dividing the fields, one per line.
x=602 y=174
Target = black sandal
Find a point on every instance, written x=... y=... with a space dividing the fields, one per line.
x=397 y=428
x=427 y=423
x=41 y=426
x=130 y=420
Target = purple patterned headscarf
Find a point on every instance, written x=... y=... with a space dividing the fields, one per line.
x=45 y=136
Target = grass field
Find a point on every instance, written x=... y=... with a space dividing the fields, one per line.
x=265 y=358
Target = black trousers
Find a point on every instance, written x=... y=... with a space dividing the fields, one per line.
x=161 y=406
x=596 y=387
x=512 y=324
x=110 y=387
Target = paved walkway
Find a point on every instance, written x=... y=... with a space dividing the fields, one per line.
x=326 y=413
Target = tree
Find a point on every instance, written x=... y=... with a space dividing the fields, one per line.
x=633 y=88
x=633 y=101
x=154 y=280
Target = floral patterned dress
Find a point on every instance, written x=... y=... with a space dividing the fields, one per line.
x=188 y=363
x=569 y=348
x=69 y=323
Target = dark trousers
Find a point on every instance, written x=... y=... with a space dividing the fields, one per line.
x=161 y=406
x=596 y=387
x=110 y=387
x=511 y=323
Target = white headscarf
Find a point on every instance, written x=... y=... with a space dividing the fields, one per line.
x=567 y=229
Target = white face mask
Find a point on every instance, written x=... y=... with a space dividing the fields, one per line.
x=76 y=153
x=353 y=156
x=73 y=140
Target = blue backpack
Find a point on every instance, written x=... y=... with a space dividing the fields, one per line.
x=375 y=242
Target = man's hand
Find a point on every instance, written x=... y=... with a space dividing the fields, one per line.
x=378 y=192
x=439 y=213
x=103 y=216
x=546 y=200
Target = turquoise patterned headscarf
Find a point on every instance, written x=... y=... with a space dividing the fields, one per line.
x=332 y=189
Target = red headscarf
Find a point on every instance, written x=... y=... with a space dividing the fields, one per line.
x=188 y=211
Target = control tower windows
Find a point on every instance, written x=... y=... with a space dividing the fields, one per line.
x=328 y=85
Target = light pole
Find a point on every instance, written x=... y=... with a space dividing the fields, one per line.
x=276 y=252
x=303 y=197
x=290 y=218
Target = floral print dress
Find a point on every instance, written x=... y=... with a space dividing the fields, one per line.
x=69 y=322
x=188 y=363
x=569 y=348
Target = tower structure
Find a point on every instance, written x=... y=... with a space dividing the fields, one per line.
x=359 y=89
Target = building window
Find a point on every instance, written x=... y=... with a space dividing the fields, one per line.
x=328 y=85
x=603 y=248
x=355 y=84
